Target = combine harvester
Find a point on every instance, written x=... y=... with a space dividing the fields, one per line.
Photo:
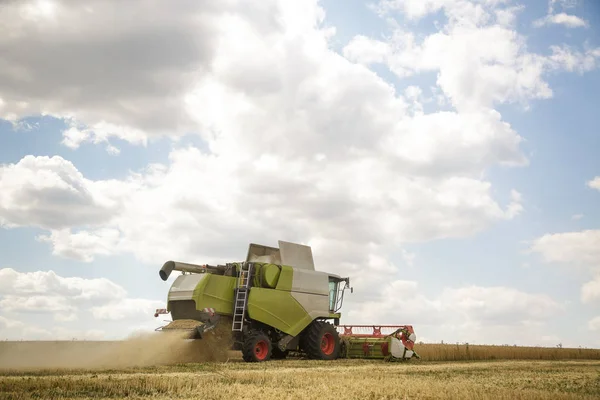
x=276 y=303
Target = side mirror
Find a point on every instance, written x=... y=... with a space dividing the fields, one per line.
x=351 y=290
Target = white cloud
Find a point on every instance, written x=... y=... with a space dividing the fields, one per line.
x=321 y=201
x=562 y=18
x=65 y=299
x=507 y=16
x=471 y=73
x=563 y=57
x=458 y=11
x=576 y=217
x=83 y=246
x=574 y=248
x=100 y=132
x=570 y=21
x=594 y=183
x=47 y=283
x=292 y=143
x=129 y=309
x=163 y=85
x=590 y=291
x=57 y=63
x=564 y=4
x=408 y=257
x=594 y=324
x=51 y=193
x=37 y=304
x=471 y=313
x=6 y=323
x=500 y=304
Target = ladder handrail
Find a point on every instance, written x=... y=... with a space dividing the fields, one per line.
x=243 y=285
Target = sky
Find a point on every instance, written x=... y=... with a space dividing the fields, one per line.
x=443 y=154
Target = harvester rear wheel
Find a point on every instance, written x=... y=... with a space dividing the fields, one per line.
x=257 y=347
x=321 y=341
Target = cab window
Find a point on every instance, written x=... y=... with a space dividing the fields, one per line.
x=332 y=294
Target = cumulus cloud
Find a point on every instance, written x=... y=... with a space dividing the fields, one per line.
x=594 y=324
x=590 y=291
x=83 y=246
x=594 y=183
x=463 y=11
x=470 y=73
x=251 y=199
x=48 y=283
x=57 y=55
x=474 y=313
x=295 y=154
x=569 y=21
x=44 y=293
x=561 y=18
x=51 y=193
x=575 y=248
x=7 y=323
x=579 y=250
x=127 y=309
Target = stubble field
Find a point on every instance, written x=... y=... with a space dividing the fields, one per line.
x=169 y=368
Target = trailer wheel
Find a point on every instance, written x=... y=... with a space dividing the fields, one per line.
x=257 y=347
x=321 y=341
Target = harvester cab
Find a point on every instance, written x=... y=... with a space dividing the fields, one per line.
x=274 y=302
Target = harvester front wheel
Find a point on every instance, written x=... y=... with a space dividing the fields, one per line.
x=257 y=347
x=321 y=341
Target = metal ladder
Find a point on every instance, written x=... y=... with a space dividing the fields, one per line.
x=241 y=298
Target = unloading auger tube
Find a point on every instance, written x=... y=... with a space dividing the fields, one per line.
x=275 y=303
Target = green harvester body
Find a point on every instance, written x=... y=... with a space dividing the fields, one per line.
x=275 y=301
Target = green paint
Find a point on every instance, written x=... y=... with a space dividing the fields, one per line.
x=270 y=274
x=278 y=309
x=215 y=291
x=336 y=315
x=355 y=347
x=285 y=278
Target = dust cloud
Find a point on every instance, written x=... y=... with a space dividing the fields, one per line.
x=145 y=350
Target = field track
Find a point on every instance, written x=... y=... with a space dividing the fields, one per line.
x=225 y=376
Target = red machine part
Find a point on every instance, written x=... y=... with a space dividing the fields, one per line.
x=210 y=311
x=160 y=311
x=371 y=330
x=400 y=332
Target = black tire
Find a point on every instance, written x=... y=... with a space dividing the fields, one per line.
x=257 y=347
x=321 y=341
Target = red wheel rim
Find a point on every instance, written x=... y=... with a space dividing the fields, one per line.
x=327 y=343
x=261 y=349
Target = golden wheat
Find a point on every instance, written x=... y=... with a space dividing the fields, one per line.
x=455 y=352
x=164 y=367
x=304 y=379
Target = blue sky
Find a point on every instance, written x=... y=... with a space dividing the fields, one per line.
x=173 y=165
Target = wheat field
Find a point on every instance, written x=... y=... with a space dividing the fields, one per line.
x=464 y=352
x=152 y=368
